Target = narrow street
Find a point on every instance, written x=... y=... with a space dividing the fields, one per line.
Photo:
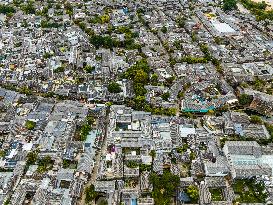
x=104 y=124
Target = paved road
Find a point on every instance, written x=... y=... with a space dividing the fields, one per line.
x=104 y=123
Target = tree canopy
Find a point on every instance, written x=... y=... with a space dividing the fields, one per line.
x=91 y=194
x=229 y=5
x=30 y=125
x=193 y=193
x=164 y=187
x=32 y=157
x=256 y=119
x=165 y=96
x=114 y=87
x=89 y=68
x=6 y=9
x=245 y=99
x=259 y=9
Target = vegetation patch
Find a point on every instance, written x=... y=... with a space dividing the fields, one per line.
x=249 y=191
x=69 y=164
x=193 y=193
x=114 y=87
x=164 y=187
x=216 y=194
x=45 y=164
x=30 y=125
x=259 y=9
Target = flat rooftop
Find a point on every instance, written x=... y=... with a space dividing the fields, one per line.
x=222 y=27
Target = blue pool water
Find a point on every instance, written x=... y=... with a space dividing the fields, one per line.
x=133 y=201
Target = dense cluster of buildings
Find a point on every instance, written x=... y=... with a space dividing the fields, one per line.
x=70 y=162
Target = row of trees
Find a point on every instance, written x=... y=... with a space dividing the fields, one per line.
x=258 y=9
x=50 y=24
x=192 y=59
x=24 y=90
x=140 y=103
x=109 y=42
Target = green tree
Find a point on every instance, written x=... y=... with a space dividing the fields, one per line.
x=164 y=187
x=68 y=8
x=182 y=149
x=6 y=9
x=90 y=119
x=164 y=29
x=165 y=96
x=141 y=77
x=181 y=21
x=140 y=102
x=169 y=81
x=29 y=8
x=152 y=154
x=66 y=163
x=256 y=119
x=192 y=156
x=229 y=5
x=192 y=60
x=259 y=84
x=30 y=125
x=103 y=202
x=25 y=90
x=90 y=193
x=193 y=37
x=245 y=99
x=139 y=89
x=105 y=18
x=47 y=55
x=193 y=193
x=114 y=87
x=210 y=112
x=84 y=131
x=269 y=128
x=7 y=202
x=44 y=164
x=132 y=164
x=154 y=79
x=181 y=94
x=59 y=69
x=103 y=41
x=89 y=68
x=2 y=153
x=32 y=157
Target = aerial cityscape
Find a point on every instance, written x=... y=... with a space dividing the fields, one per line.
x=136 y=102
